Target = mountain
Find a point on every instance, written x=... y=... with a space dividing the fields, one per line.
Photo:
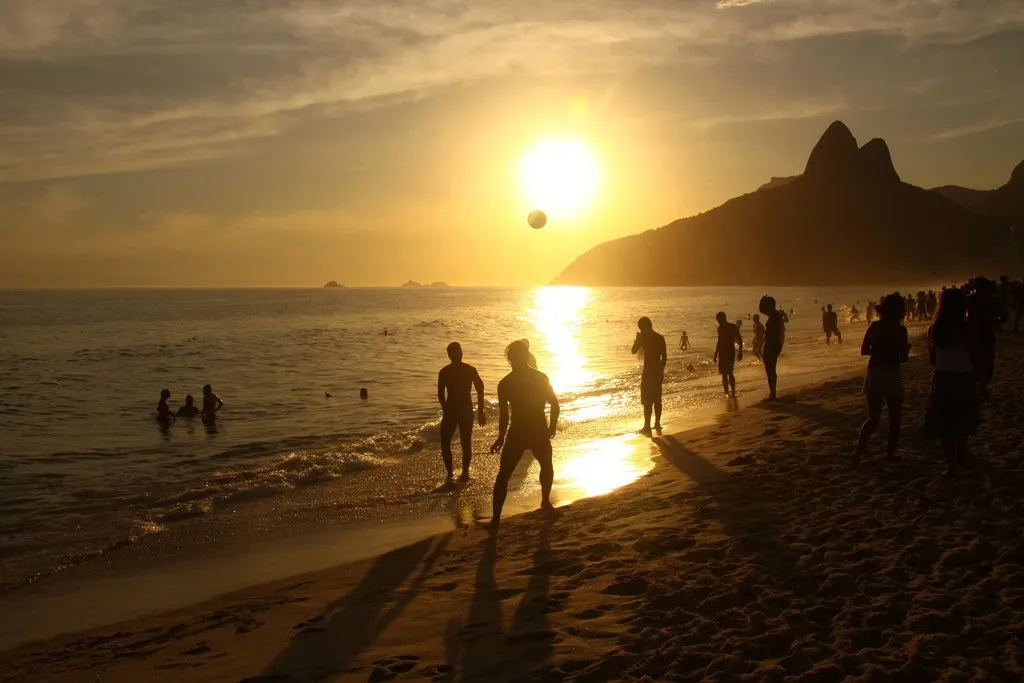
x=333 y=284
x=847 y=219
x=1004 y=204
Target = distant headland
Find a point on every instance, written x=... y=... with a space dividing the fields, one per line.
x=333 y=284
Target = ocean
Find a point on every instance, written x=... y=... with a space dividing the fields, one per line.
x=86 y=472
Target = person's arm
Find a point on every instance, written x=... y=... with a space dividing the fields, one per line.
x=479 y=384
x=220 y=404
x=663 y=351
x=865 y=346
x=440 y=389
x=739 y=340
x=502 y=421
x=553 y=400
x=637 y=343
x=904 y=345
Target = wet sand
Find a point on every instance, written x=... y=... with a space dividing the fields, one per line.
x=752 y=552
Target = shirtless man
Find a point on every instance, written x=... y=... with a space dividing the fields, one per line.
x=655 y=357
x=527 y=391
x=211 y=404
x=725 y=352
x=453 y=393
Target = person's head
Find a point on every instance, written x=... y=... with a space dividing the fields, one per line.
x=757 y=318
x=455 y=352
x=892 y=307
x=189 y=400
x=684 y=333
x=645 y=324
x=165 y=394
x=829 y=307
x=766 y=305
x=720 y=317
x=951 y=318
x=207 y=390
x=364 y=394
x=518 y=354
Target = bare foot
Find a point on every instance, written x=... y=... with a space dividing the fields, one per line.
x=646 y=430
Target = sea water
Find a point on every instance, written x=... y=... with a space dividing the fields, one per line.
x=85 y=469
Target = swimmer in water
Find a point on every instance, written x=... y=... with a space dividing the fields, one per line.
x=527 y=391
x=454 y=382
x=684 y=342
x=189 y=409
x=164 y=414
x=211 y=404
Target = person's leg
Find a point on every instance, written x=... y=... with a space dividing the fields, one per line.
x=466 y=436
x=732 y=384
x=648 y=407
x=447 y=432
x=542 y=452
x=657 y=413
x=949 y=452
x=725 y=382
x=839 y=335
x=961 y=450
x=895 y=402
x=770 y=370
x=510 y=456
x=870 y=425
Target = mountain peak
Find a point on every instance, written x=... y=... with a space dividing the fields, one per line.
x=876 y=162
x=1017 y=177
x=835 y=153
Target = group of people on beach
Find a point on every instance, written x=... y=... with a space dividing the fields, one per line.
x=208 y=413
x=962 y=336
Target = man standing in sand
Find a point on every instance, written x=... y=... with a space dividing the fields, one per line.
x=527 y=391
x=453 y=393
x=655 y=357
x=725 y=352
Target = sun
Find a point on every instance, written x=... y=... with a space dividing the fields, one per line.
x=560 y=176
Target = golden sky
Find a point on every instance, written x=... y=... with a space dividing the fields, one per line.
x=261 y=143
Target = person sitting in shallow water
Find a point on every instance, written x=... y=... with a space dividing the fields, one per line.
x=189 y=409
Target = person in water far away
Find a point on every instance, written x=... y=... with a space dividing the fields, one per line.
x=886 y=343
x=758 y=343
x=163 y=411
x=830 y=321
x=189 y=409
x=655 y=357
x=684 y=342
x=454 y=382
x=725 y=352
x=211 y=404
x=774 y=335
x=526 y=391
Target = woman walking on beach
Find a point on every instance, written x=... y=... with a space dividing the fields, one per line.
x=952 y=413
x=887 y=345
x=774 y=334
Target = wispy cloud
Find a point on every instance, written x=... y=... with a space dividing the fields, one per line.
x=985 y=126
x=95 y=86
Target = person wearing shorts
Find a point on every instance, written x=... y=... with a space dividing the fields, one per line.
x=887 y=345
x=454 y=383
x=655 y=356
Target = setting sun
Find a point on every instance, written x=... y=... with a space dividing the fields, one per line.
x=560 y=176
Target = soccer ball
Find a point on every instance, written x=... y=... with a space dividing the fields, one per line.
x=537 y=219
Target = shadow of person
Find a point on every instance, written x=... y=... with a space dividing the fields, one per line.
x=350 y=624
x=475 y=643
x=697 y=468
x=530 y=632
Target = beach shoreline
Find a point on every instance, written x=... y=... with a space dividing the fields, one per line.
x=752 y=551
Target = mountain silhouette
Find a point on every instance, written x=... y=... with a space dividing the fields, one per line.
x=1004 y=204
x=848 y=219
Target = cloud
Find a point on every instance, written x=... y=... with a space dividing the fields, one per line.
x=985 y=126
x=100 y=86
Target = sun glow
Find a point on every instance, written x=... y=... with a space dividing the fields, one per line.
x=560 y=176
x=558 y=315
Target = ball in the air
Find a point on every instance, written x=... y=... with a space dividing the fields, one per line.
x=537 y=219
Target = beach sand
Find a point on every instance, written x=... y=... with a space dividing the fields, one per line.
x=752 y=552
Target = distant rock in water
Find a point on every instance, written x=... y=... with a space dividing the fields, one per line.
x=1004 y=204
x=332 y=284
x=848 y=219
x=412 y=283
x=439 y=284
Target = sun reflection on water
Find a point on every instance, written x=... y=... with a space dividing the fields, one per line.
x=558 y=314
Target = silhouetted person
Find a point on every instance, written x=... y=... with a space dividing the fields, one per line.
x=725 y=352
x=952 y=412
x=211 y=404
x=985 y=312
x=364 y=394
x=831 y=325
x=922 y=306
x=189 y=409
x=774 y=335
x=869 y=312
x=910 y=307
x=526 y=391
x=854 y=314
x=931 y=303
x=655 y=357
x=684 y=342
x=887 y=344
x=758 y=342
x=454 y=382
x=164 y=414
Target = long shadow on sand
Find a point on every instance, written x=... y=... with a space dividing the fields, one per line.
x=330 y=644
x=483 y=648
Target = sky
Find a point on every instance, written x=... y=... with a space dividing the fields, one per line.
x=274 y=143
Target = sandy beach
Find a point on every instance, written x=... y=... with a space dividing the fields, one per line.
x=752 y=552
